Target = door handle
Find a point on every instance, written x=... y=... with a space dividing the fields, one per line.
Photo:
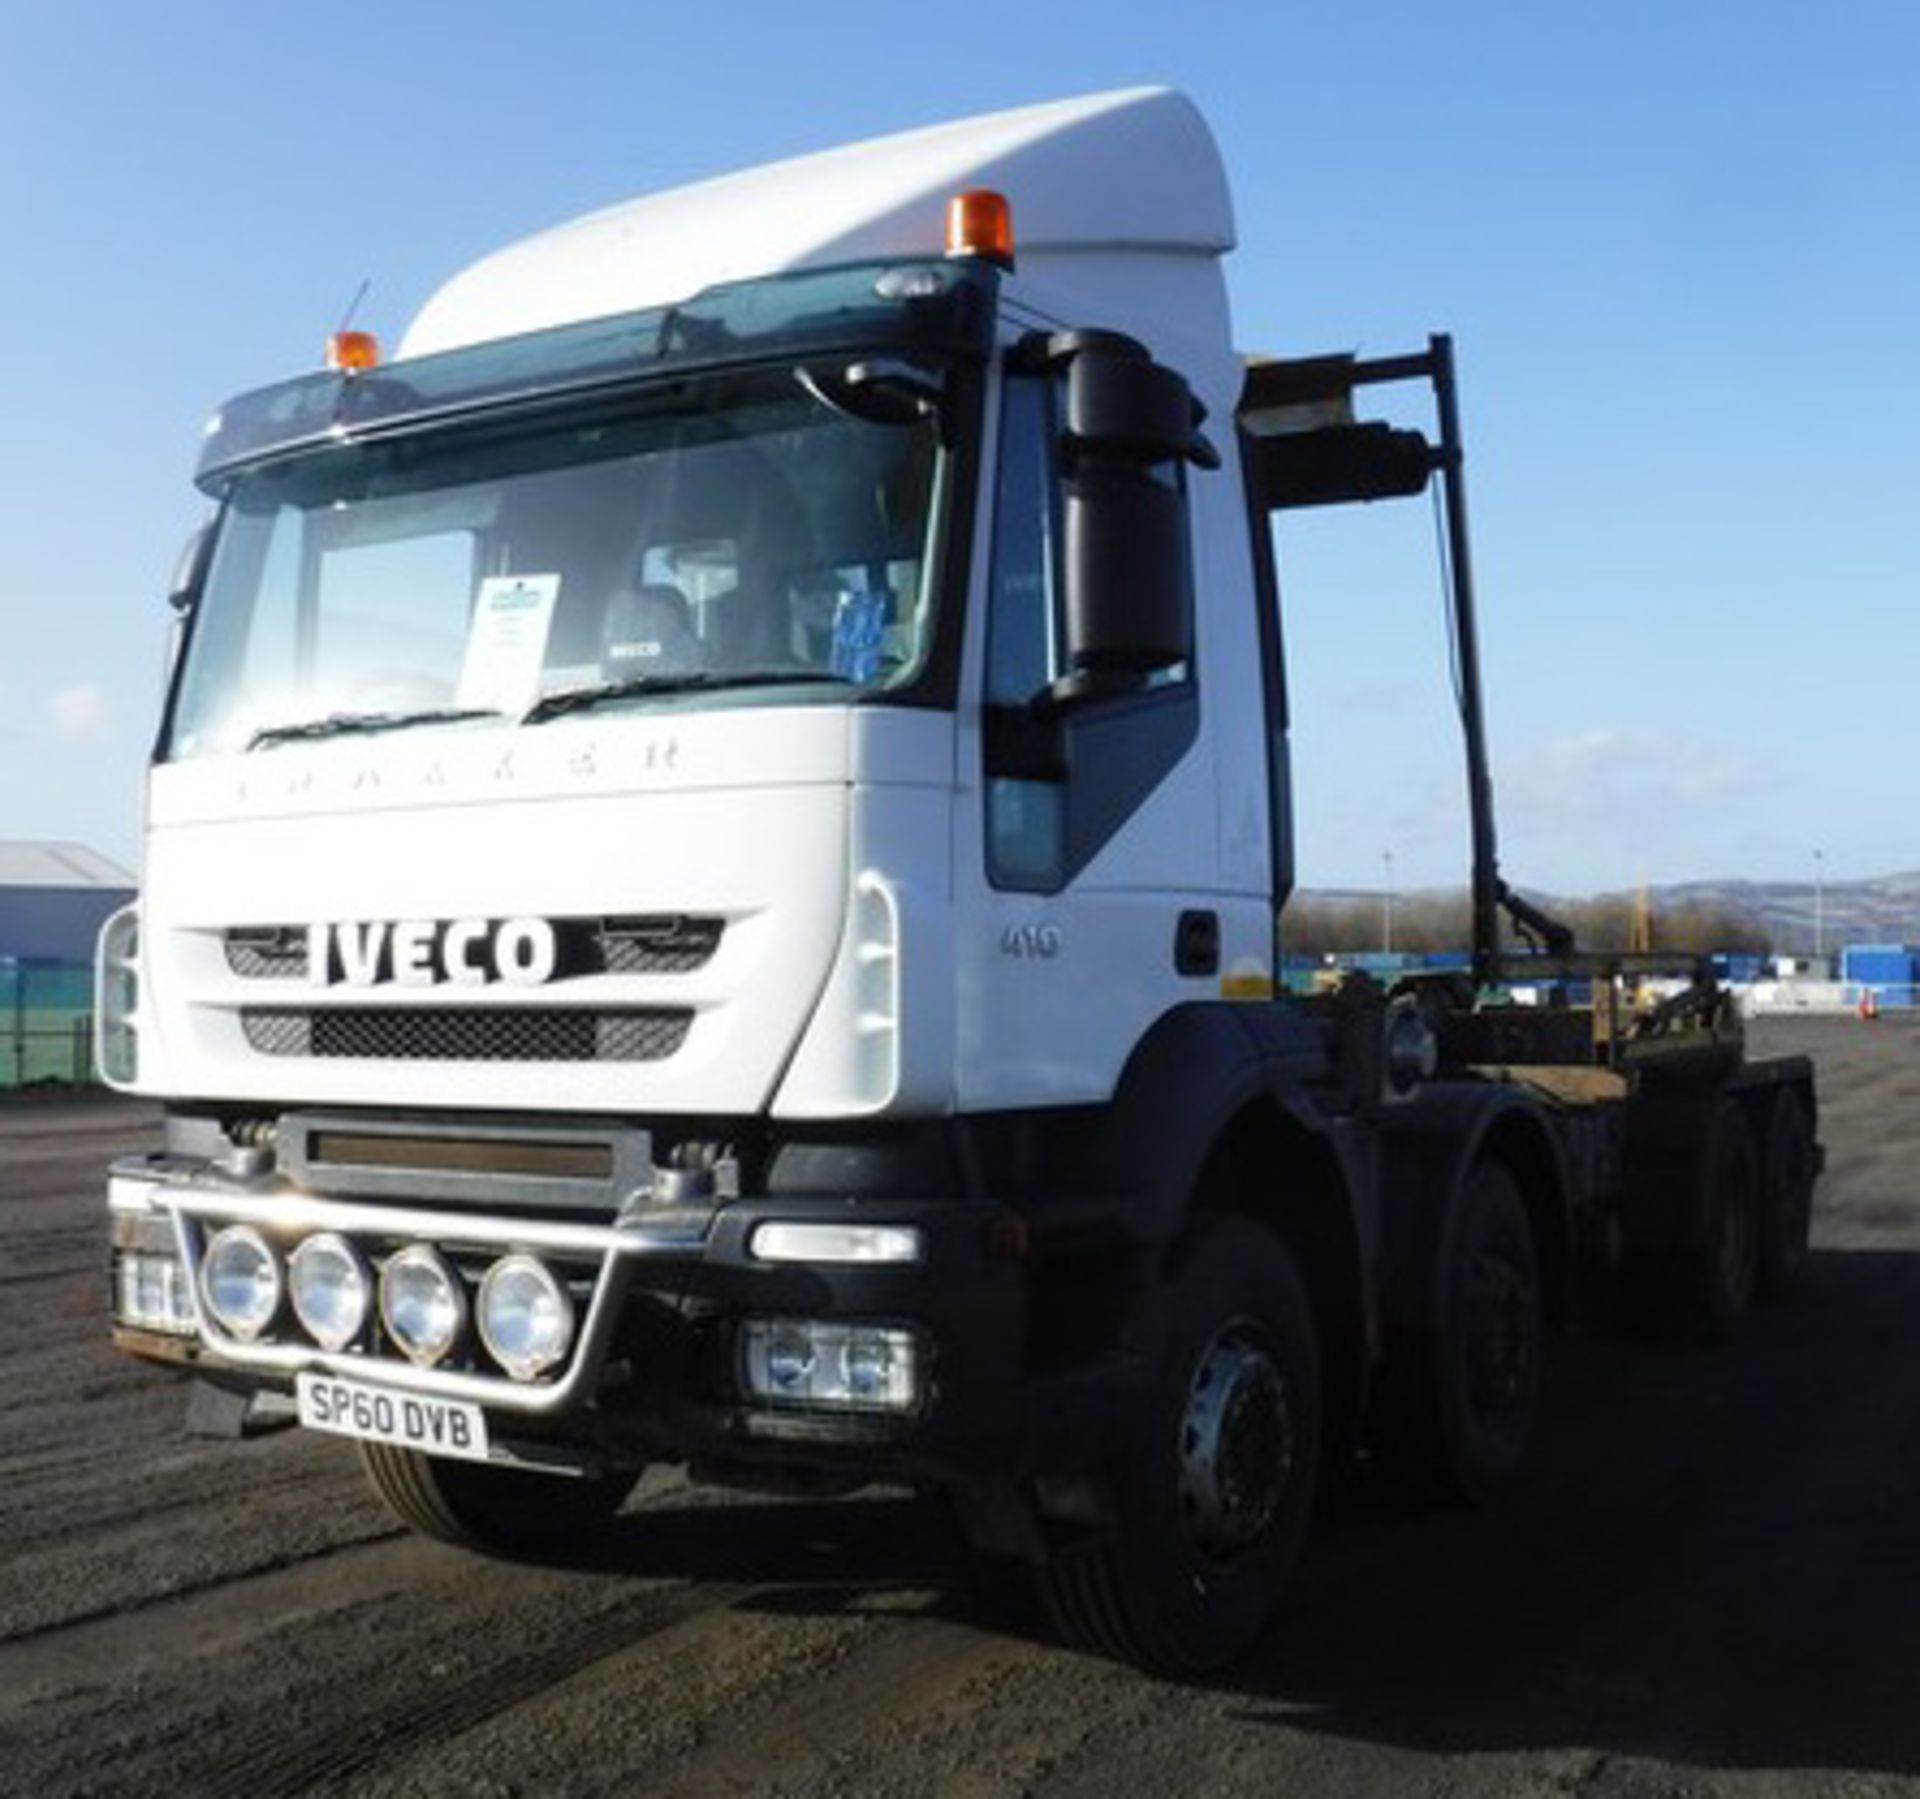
x=1196 y=943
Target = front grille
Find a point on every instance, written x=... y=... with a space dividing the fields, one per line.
x=269 y=953
x=451 y=1034
x=653 y=944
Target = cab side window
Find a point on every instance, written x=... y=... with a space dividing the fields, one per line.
x=1065 y=768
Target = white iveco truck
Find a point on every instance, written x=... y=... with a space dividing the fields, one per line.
x=710 y=897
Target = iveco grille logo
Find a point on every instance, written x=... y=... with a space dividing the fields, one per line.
x=420 y=952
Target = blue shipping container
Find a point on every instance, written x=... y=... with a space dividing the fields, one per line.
x=1879 y=964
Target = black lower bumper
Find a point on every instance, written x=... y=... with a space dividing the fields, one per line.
x=1002 y=1391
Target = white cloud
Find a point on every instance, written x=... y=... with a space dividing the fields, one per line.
x=1608 y=776
x=80 y=714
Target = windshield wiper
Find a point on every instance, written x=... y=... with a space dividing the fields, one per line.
x=579 y=699
x=342 y=724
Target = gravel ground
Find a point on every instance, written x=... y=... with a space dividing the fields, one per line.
x=1708 y=1580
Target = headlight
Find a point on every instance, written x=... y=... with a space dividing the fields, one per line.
x=526 y=1316
x=422 y=1304
x=240 y=1281
x=817 y=1362
x=150 y=1290
x=331 y=1289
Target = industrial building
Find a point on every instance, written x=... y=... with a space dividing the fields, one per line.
x=53 y=899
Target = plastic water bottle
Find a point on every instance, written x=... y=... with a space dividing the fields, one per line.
x=859 y=623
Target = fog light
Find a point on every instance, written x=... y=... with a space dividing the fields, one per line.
x=526 y=1316
x=331 y=1289
x=240 y=1281
x=422 y=1304
x=813 y=1362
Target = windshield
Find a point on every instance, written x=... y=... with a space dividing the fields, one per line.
x=718 y=541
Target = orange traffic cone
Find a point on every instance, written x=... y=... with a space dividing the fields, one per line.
x=1869 y=1004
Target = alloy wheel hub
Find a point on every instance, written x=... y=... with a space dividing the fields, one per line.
x=1236 y=1445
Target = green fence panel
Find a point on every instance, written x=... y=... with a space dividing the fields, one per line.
x=46 y=1023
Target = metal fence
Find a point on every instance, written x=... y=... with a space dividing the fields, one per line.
x=46 y=1022
x=1865 y=999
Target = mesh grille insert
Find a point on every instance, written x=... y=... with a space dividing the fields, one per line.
x=654 y=945
x=466 y=1034
x=267 y=955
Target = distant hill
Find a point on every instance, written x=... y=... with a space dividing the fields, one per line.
x=1885 y=909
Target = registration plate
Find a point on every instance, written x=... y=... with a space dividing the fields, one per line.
x=350 y=1408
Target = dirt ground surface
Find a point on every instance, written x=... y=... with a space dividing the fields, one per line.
x=1707 y=1581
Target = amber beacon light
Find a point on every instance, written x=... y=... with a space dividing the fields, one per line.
x=980 y=223
x=351 y=351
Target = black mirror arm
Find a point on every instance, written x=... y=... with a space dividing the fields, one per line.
x=183 y=591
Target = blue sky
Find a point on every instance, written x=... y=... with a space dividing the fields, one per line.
x=1678 y=247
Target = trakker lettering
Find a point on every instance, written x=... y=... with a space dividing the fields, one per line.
x=419 y=952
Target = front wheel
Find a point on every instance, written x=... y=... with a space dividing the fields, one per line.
x=1212 y=1505
x=507 y=1512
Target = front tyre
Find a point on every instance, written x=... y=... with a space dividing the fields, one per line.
x=1212 y=1505
x=507 y=1512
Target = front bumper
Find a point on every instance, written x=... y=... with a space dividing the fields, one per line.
x=655 y=1370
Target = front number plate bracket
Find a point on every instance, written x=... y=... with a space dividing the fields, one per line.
x=351 y=1408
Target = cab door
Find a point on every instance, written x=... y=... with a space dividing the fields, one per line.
x=1087 y=859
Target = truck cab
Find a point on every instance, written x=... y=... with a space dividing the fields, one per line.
x=711 y=875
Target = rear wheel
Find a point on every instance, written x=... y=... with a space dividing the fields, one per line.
x=500 y=1511
x=1461 y=1400
x=1786 y=1187
x=1719 y=1269
x=1212 y=1505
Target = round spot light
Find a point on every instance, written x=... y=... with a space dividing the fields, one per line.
x=526 y=1316
x=240 y=1281
x=332 y=1290
x=423 y=1304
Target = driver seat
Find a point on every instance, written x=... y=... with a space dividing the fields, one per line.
x=648 y=630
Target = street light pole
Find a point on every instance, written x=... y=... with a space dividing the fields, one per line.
x=1386 y=905
x=1819 y=909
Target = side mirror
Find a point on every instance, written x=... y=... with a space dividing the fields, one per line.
x=1121 y=404
x=1127 y=570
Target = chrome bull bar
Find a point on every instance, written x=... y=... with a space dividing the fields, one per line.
x=616 y=1246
